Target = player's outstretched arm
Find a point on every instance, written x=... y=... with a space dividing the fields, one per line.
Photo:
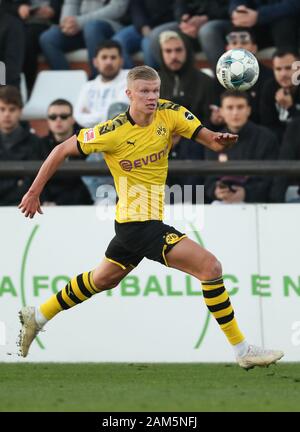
x=216 y=141
x=30 y=203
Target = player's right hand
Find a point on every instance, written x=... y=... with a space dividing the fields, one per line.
x=223 y=141
x=30 y=204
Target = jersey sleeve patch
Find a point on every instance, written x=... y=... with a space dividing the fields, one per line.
x=185 y=123
x=89 y=135
x=188 y=115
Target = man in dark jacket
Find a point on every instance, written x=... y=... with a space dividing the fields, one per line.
x=184 y=84
x=61 y=191
x=36 y=16
x=83 y=24
x=192 y=18
x=145 y=15
x=17 y=143
x=181 y=81
x=199 y=19
x=12 y=47
x=276 y=22
x=280 y=99
x=255 y=143
x=290 y=150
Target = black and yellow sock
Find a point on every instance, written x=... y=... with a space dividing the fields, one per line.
x=218 y=302
x=76 y=291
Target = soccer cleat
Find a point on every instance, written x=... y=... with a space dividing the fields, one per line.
x=257 y=356
x=29 y=329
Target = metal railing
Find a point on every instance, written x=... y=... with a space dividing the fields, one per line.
x=178 y=167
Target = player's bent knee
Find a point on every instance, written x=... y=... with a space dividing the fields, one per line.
x=106 y=283
x=216 y=269
x=212 y=268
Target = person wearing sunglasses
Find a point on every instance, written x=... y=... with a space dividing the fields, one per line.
x=62 y=116
x=61 y=191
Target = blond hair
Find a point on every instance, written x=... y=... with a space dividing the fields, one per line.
x=142 y=72
x=167 y=35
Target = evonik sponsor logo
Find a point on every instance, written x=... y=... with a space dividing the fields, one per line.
x=128 y=165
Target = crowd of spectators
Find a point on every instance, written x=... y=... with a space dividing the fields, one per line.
x=266 y=117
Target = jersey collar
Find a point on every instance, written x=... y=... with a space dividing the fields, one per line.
x=130 y=118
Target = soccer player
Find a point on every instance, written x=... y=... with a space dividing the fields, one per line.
x=136 y=145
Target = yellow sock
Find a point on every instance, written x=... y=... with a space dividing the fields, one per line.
x=218 y=302
x=76 y=291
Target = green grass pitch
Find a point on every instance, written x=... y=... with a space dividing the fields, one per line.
x=148 y=387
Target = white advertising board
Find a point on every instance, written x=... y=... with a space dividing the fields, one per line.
x=279 y=267
x=156 y=314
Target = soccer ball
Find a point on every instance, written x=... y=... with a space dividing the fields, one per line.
x=237 y=69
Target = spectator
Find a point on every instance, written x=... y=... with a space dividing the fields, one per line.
x=12 y=47
x=17 y=143
x=102 y=99
x=83 y=24
x=145 y=15
x=66 y=191
x=255 y=143
x=280 y=99
x=290 y=150
x=192 y=17
x=184 y=84
x=276 y=22
x=243 y=38
x=37 y=16
x=181 y=81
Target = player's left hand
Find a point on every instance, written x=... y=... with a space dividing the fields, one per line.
x=30 y=204
x=223 y=141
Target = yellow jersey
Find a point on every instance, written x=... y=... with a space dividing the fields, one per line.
x=137 y=157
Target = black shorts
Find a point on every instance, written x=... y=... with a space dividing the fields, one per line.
x=135 y=240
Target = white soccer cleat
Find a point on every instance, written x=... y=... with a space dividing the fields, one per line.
x=29 y=329
x=257 y=356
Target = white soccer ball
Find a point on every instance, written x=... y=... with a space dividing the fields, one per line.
x=237 y=69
